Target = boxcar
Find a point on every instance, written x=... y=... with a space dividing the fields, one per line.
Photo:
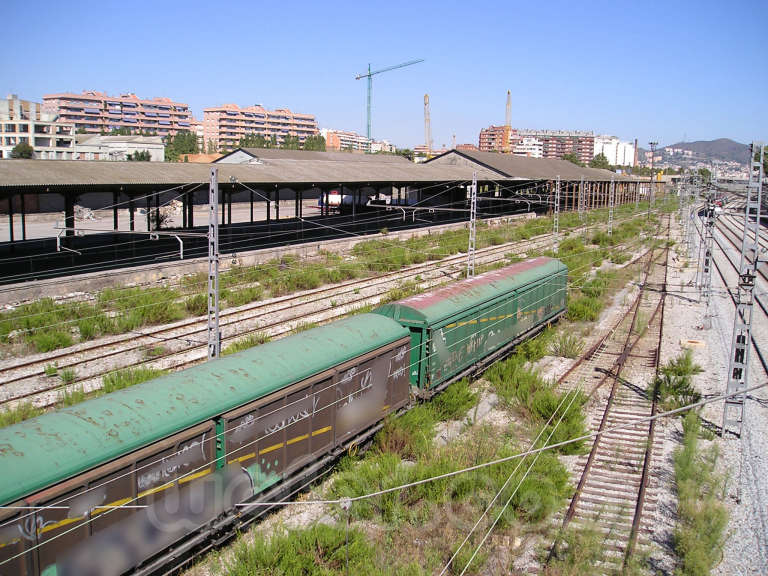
x=238 y=425
x=455 y=327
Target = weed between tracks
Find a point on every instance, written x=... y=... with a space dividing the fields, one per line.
x=702 y=517
x=69 y=396
x=46 y=325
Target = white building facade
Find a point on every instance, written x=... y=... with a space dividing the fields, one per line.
x=24 y=121
x=530 y=147
x=90 y=147
x=617 y=152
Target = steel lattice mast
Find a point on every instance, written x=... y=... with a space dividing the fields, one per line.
x=741 y=341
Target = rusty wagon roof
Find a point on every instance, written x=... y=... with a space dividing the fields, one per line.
x=55 y=446
x=436 y=306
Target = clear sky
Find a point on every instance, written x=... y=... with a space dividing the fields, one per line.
x=648 y=70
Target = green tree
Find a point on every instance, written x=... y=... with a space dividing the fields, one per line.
x=291 y=142
x=81 y=130
x=211 y=147
x=253 y=140
x=184 y=142
x=22 y=150
x=272 y=142
x=315 y=142
x=122 y=131
x=573 y=158
x=705 y=174
x=600 y=161
x=406 y=152
x=139 y=156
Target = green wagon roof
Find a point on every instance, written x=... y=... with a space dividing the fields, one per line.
x=43 y=450
x=432 y=308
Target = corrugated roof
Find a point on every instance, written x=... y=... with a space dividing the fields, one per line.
x=43 y=173
x=62 y=443
x=333 y=156
x=521 y=167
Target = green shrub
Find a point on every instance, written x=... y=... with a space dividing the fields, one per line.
x=244 y=343
x=70 y=397
x=127 y=377
x=46 y=341
x=244 y=296
x=197 y=305
x=674 y=383
x=319 y=550
x=584 y=309
x=702 y=516
x=567 y=345
x=68 y=375
x=18 y=413
x=454 y=402
x=51 y=370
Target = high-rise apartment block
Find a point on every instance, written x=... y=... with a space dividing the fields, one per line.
x=24 y=121
x=539 y=143
x=345 y=140
x=618 y=153
x=95 y=112
x=225 y=126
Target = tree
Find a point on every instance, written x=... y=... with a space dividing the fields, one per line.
x=291 y=143
x=184 y=142
x=573 y=158
x=253 y=140
x=705 y=174
x=22 y=150
x=211 y=147
x=122 y=131
x=600 y=161
x=406 y=152
x=139 y=156
x=81 y=130
x=315 y=142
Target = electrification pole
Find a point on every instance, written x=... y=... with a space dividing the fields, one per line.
x=581 y=200
x=738 y=365
x=556 y=217
x=650 y=189
x=472 y=227
x=709 y=239
x=214 y=335
x=611 y=201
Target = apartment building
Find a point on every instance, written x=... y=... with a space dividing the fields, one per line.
x=618 y=153
x=529 y=147
x=345 y=140
x=553 y=143
x=492 y=139
x=25 y=121
x=96 y=112
x=225 y=126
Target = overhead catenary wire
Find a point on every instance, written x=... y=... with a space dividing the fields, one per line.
x=245 y=506
x=187 y=284
x=458 y=342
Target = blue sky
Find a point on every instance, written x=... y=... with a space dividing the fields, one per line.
x=650 y=70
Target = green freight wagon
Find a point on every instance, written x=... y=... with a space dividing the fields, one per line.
x=455 y=328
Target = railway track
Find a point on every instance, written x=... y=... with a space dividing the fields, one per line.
x=615 y=496
x=728 y=275
x=185 y=342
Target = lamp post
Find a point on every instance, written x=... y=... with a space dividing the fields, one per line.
x=650 y=188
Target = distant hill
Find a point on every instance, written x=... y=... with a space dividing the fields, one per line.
x=720 y=149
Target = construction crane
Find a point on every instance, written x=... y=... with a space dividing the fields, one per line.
x=427 y=127
x=370 y=76
x=507 y=124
